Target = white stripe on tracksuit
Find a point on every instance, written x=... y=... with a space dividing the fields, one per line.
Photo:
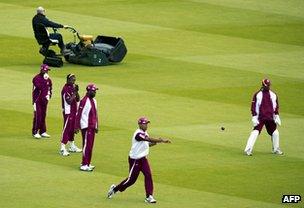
x=131 y=171
x=85 y=143
x=66 y=122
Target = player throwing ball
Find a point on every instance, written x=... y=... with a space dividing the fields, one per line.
x=138 y=162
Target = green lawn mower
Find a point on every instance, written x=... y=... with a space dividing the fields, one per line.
x=104 y=50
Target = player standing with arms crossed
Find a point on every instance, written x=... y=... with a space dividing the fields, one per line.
x=41 y=94
x=87 y=121
x=69 y=99
x=265 y=111
x=138 y=162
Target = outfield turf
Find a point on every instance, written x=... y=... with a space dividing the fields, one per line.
x=192 y=67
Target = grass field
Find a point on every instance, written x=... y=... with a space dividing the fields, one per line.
x=192 y=67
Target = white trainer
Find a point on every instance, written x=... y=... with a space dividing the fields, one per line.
x=111 y=191
x=91 y=166
x=248 y=153
x=85 y=168
x=45 y=135
x=278 y=152
x=64 y=152
x=74 y=148
x=37 y=136
x=150 y=199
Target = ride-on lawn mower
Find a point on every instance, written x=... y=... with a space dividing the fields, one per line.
x=104 y=50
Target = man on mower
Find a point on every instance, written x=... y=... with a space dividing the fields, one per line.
x=40 y=24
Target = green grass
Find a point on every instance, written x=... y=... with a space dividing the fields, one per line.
x=192 y=67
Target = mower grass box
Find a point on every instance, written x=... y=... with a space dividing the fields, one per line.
x=104 y=50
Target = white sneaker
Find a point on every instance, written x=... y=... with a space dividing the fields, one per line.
x=74 y=148
x=45 y=135
x=248 y=153
x=278 y=152
x=150 y=199
x=37 y=136
x=64 y=152
x=111 y=191
x=91 y=166
x=85 y=168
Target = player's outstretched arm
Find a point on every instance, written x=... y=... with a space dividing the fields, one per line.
x=165 y=140
x=159 y=140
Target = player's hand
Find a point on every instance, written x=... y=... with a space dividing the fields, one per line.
x=277 y=119
x=76 y=131
x=73 y=96
x=76 y=87
x=255 y=121
x=165 y=140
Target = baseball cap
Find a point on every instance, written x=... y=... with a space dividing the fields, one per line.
x=44 y=68
x=91 y=87
x=143 y=120
x=266 y=82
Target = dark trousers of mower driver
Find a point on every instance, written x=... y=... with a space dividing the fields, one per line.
x=103 y=51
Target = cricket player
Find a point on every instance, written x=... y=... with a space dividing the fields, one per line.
x=87 y=121
x=41 y=94
x=265 y=111
x=138 y=162
x=69 y=99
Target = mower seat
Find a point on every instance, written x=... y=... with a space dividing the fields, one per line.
x=44 y=50
x=53 y=41
x=46 y=43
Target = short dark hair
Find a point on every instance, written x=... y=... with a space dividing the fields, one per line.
x=69 y=76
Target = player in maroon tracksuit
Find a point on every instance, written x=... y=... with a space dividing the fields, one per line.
x=69 y=99
x=42 y=92
x=265 y=111
x=87 y=121
x=138 y=161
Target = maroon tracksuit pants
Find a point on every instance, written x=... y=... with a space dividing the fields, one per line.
x=270 y=125
x=135 y=167
x=88 y=136
x=68 y=128
x=39 y=125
